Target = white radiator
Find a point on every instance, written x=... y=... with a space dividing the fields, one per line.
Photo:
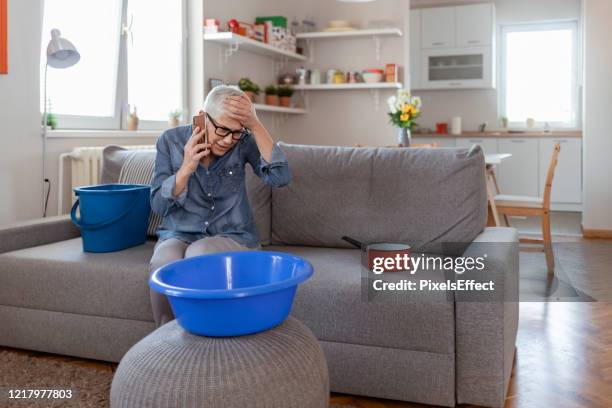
x=81 y=167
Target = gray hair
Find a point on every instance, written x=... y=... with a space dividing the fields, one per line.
x=213 y=105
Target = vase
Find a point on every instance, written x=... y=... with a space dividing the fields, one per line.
x=285 y=101
x=403 y=137
x=132 y=122
x=272 y=100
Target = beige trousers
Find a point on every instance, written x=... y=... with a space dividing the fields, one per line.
x=174 y=249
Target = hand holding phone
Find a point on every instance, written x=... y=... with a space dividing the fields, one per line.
x=195 y=149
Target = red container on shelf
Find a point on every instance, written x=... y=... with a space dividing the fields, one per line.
x=442 y=128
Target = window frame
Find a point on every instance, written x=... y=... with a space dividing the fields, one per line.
x=572 y=25
x=119 y=119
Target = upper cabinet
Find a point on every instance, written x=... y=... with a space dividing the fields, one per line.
x=454 y=47
x=415 y=48
x=438 y=27
x=452 y=68
x=474 y=25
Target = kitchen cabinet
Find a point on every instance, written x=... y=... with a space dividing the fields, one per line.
x=489 y=144
x=474 y=25
x=455 y=47
x=415 y=49
x=567 y=183
x=519 y=174
x=438 y=27
x=457 y=68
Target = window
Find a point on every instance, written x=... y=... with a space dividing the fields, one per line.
x=132 y=52
x=539 y=74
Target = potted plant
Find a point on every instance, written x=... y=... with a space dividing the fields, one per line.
x=285 y=92
x=174 y=117
x=403 y=110
x=249 y=87
x=51 y=120
x=271 y=95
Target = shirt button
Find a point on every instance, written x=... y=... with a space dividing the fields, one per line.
x=206 y=223
x=212 y=208
x=209 y=194
x=231 y=172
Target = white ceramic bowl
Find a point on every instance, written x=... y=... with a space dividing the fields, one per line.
x=371 y=77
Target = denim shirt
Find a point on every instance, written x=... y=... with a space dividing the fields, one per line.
x=214 y=201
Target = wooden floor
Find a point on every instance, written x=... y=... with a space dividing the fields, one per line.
x=564 y=349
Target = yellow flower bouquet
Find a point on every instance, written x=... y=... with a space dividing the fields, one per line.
x=404 y=109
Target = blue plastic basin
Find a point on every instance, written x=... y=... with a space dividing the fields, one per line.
x=231 y=293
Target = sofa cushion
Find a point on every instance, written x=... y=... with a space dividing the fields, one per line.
x=333 y=306
x=123 y=165
x=138 y=169
x=61 y=277
x=422 y=197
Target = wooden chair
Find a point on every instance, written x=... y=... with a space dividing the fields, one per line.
x=509 y=205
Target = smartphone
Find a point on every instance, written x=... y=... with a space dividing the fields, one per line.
x=200 y=121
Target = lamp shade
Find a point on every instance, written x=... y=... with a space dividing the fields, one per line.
x=61 y=53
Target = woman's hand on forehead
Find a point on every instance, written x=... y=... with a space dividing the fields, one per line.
x=240 y=108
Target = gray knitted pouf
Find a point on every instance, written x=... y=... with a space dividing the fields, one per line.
x=282 y=367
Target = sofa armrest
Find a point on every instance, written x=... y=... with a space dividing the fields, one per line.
x=37 y=232
x=486 y=328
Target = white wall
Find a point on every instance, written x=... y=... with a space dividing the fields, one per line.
x=21 y=164
x=346 y=117
x=479 y=106
x=597 y=143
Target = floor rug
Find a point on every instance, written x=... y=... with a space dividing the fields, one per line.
x=89 y=381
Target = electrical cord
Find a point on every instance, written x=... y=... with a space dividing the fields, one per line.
x=47 y=197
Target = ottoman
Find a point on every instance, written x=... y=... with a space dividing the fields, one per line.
x=282 y=367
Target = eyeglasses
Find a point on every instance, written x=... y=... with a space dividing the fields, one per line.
x=224 y=132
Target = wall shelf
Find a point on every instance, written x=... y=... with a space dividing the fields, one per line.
x=236 y=42
x=279 y=109
x=339 y=87
x=375 y=32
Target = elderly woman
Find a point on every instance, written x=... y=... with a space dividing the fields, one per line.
x=198 y=183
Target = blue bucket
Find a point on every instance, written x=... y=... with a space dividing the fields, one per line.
x=231 y=293
x=113 y=216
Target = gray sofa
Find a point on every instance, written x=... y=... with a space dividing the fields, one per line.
x=447 y=351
